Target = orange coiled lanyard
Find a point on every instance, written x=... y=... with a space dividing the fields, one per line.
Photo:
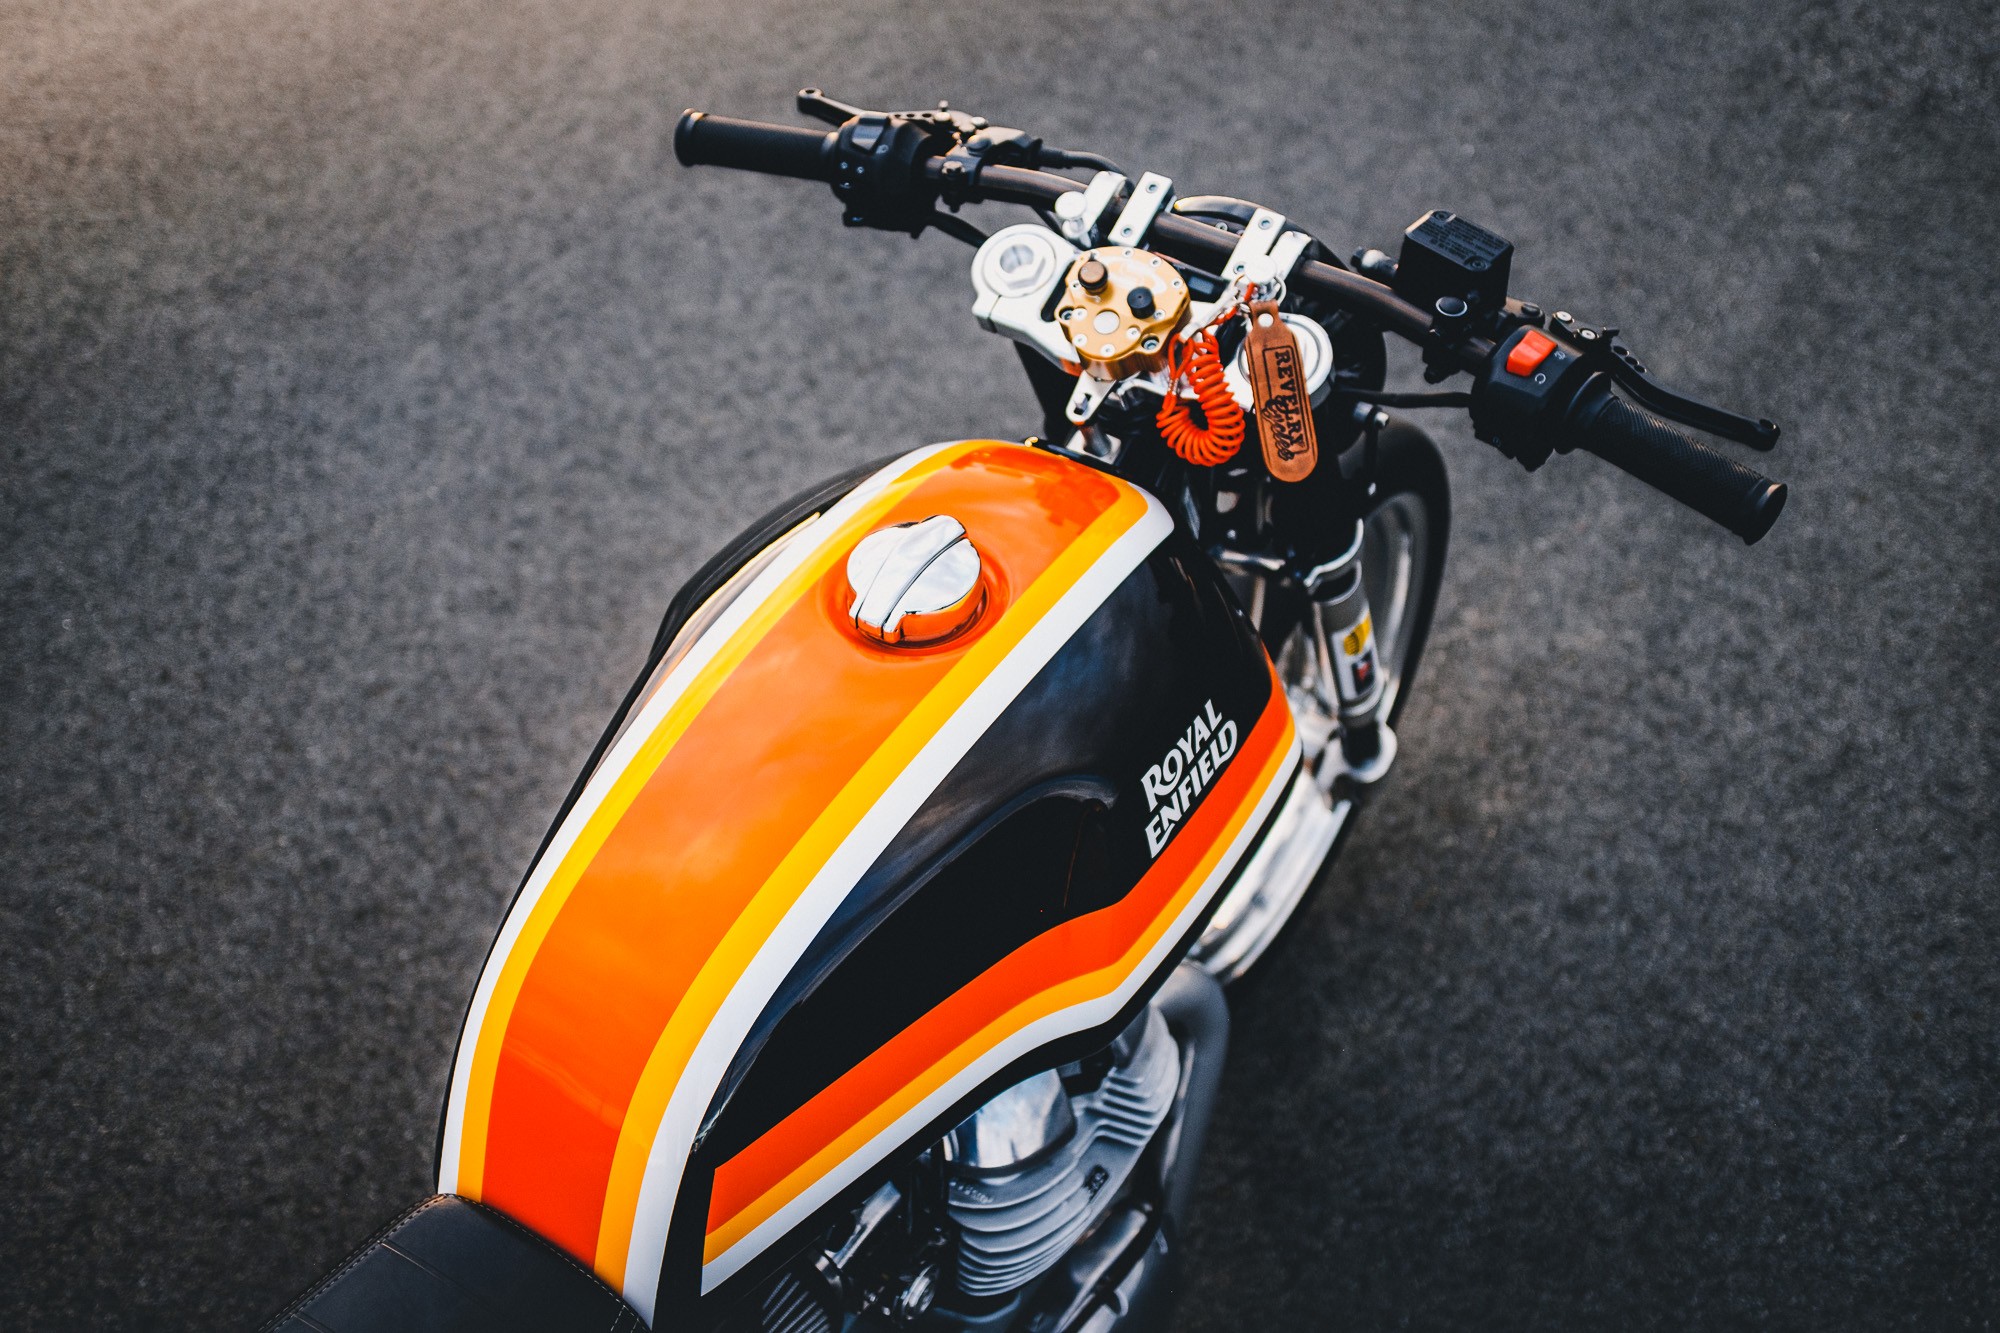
x=1219 y=434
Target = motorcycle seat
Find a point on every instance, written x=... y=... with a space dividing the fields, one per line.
x=449 y=1265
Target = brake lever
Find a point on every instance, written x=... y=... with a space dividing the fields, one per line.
x=1601 y=345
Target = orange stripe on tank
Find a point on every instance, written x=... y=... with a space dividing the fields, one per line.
x=1077 y=961
x=755 y=759
x=618 y=799
x=659 y=1083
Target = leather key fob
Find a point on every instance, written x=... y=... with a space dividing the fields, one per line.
x=1278 y=390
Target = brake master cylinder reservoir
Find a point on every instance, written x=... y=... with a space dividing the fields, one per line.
x=1119 y=307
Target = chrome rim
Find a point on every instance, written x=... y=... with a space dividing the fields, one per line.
x=1395 y=549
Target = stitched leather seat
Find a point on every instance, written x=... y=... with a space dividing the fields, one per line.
x=450 y=1265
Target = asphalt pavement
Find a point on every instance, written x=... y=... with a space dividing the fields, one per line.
x=370 y=376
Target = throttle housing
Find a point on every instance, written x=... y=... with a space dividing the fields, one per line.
x=1521 y=397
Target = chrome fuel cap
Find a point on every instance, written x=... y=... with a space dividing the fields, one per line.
x=915 y=583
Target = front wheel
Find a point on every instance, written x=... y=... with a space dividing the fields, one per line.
x=1406 y=525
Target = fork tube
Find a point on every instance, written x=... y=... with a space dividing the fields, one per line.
x=1344 y=642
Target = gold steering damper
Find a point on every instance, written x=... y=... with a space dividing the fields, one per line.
x=1119 y=309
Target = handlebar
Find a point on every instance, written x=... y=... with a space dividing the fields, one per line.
x=1712 y=484
x=1200 y=244
x=702 y=140
x=890 y=171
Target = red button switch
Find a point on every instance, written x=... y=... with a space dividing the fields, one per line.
x=1531 y=351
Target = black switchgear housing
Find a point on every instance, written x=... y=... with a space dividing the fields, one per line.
x=877 y=160
x=878 y=170
x=1446 y=256
x=1522 y=415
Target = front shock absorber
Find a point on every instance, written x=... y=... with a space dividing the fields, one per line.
x=1350 y=668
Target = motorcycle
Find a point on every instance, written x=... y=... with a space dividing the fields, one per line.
x=873 y=973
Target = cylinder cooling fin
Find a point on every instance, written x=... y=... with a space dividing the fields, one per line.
x=1017 y=1216
x=789 y=1306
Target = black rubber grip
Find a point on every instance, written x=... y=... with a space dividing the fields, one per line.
x=702 y=140
x=1712 y=484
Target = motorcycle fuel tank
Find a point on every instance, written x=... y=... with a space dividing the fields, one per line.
x=828 y=887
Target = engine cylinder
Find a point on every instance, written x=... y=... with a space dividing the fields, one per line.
x=1036 y=1187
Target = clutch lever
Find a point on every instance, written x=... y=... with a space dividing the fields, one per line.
x=815 y=103
x=1602 y=345
x=942 y=119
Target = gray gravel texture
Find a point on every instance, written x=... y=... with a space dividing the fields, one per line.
x=370 y=376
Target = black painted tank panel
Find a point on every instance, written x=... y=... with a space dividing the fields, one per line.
x=1042 y=821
